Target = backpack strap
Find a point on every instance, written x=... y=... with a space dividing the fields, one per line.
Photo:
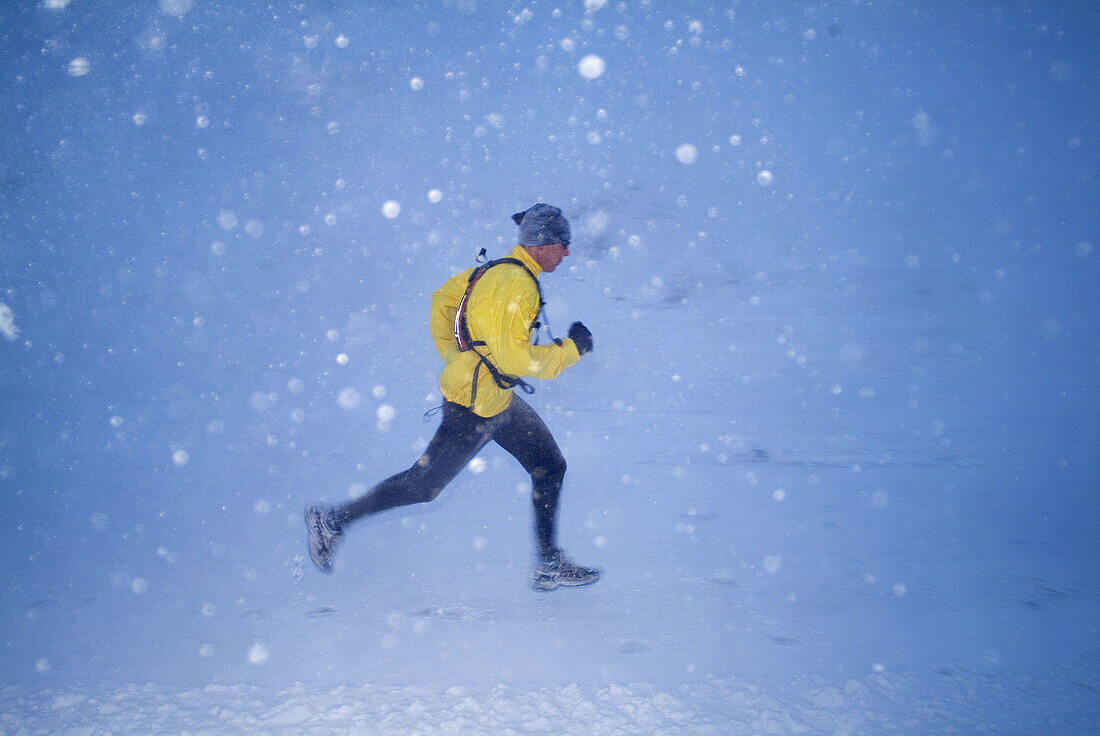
x=461 y=331
x=466 y=342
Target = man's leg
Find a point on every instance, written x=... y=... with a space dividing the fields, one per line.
x=459 y=438
x=526 y=437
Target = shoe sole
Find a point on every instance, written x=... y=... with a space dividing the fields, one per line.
x=545 y=586
x=313 y=523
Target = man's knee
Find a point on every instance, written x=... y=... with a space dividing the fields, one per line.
x=425 y=493
x=430 y=494
x=550 y=469
x=424 y=481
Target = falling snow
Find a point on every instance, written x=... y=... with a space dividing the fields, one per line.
x=687 y=153
x=838 y=261
x=592 y=66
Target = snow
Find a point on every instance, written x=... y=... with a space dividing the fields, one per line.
x=8 y=328
x=79 y=66
x=834 y=451
x=872 y=704
x=591 y=66
x=686 y=153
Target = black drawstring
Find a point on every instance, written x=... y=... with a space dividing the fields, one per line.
x=543 y=321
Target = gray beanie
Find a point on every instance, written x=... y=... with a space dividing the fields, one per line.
x=542 y=224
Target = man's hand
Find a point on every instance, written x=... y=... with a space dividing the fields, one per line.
x=581 y=337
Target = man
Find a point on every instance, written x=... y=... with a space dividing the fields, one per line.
x=481 y=321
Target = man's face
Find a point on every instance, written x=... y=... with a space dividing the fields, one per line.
x=549 y=256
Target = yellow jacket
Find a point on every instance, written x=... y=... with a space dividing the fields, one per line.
x=502 y=306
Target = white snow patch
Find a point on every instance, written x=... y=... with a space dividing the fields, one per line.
x=258 y=654
x=687 y=153
x=178 y=8
x=828 y=698
x=79 y=66
x=592 y=66
x=7 y=322
x=294 y=715
x=227 y=219
x=876 y=703
x=349 y=399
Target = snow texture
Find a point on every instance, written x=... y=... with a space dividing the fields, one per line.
x=874 y=704
x=834 y=451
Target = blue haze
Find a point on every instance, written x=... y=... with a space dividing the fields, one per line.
x=841 y=416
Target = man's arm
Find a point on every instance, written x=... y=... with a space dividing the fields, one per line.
x=510 y=336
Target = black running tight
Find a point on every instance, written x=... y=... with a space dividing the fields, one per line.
x=462 y=434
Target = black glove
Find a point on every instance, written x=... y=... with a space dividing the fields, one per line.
x=581 y=337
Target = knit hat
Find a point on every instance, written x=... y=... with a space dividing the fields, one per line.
x=542 y=224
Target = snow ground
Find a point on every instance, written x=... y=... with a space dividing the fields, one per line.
x=764 y=572
x=956 y=702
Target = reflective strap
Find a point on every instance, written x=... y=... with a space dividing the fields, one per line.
x=461 y=332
